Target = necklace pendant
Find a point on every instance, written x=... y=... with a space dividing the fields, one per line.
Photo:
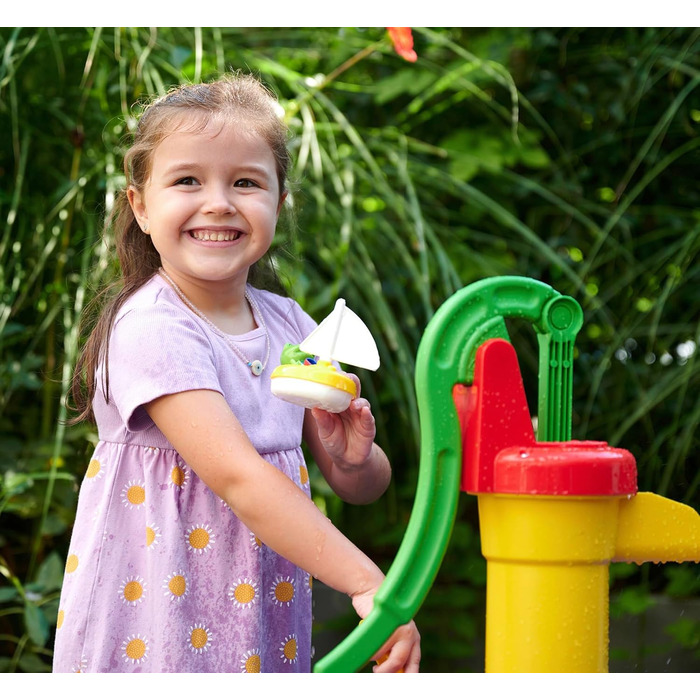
x=256 y=367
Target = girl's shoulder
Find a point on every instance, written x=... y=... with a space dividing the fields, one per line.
x=284 y=310
x=155 y=309
x=273 y=301
x=151 y=295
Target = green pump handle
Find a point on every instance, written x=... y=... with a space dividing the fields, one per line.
x=445 y=358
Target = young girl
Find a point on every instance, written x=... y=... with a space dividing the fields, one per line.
x=196 y=541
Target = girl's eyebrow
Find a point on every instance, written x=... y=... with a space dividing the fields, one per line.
x=181 y=166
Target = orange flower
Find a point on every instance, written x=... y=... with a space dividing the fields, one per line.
x=402 y=39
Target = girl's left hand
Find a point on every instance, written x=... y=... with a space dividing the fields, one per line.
x=401 y=653
x=347 y=437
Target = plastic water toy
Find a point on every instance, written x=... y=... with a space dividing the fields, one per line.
x=307 y=375
x=553 y=512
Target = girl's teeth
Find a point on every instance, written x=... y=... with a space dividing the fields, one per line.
x=214 y=236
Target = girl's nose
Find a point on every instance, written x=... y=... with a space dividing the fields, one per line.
x=219 y=200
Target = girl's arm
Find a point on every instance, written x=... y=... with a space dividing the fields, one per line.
x=343 y=447
x=205 y=432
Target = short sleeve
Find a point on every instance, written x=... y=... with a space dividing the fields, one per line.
x=155 y=351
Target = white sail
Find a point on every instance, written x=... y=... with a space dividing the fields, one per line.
x=342 y=336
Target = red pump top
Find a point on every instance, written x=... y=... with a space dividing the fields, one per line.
x=500 y=453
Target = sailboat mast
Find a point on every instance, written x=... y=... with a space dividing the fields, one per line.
x=338 y=318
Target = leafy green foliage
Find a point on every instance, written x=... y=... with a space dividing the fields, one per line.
x=566 y=155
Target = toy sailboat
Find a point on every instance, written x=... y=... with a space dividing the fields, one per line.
x=341 y=337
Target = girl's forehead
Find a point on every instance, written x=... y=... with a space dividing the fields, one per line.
x=212 y=137
x=194 y=130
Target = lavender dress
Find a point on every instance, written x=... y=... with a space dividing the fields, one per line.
x=161 y=576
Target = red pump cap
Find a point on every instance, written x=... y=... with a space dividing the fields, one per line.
x=500 y=453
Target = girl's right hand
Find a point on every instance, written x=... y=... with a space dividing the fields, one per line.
x=401 y=652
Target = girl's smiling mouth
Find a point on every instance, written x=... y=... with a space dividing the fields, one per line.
x=215 y=236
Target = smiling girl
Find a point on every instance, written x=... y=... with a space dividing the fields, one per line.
x=196 y=540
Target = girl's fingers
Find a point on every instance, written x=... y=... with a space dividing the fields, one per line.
x=413 y=663
x=401 y=653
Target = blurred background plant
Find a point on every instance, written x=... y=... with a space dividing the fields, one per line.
x=567 y=155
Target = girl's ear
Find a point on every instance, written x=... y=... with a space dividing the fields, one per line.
x=138 y=206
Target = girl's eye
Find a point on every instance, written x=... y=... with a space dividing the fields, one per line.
x=186 y=181
x=245 y=182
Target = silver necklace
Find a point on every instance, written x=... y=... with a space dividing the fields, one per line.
x=256 y=366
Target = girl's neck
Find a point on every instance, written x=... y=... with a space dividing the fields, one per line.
x=223 y=303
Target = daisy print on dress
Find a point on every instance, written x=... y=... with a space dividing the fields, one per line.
x=250 y=663
x=179 y=476
x=289 y=649
x=255 y=542
x=132 y=590
x=199 y=638
x=135 y=649
x=72 y=563
x=134 y=494
x=282 y=590
x=243 y=593
x=81 y=667
x=94 y=470
x=200 y=538
x=176 y=586
x=152 y=535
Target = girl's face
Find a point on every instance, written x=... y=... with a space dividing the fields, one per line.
x=210 y=206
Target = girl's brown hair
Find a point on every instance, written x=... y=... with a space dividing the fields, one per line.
x=235 y=98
